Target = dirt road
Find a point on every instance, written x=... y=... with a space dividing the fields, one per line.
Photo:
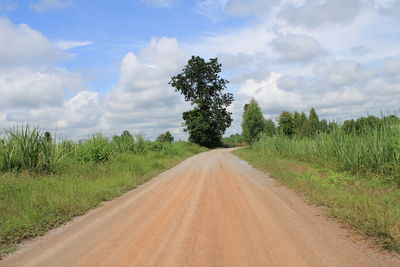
x=211 y=210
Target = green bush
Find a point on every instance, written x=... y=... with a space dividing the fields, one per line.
x=123 y=143
x=96 y=149
x=156 y=146
x=140 y=144
x=165 y=137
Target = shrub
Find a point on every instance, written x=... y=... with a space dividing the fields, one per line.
x=156 y=146
x=140 y=144
x=95 y=149
x=165 y=137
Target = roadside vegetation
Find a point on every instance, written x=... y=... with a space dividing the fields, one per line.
x=234 y=140
x=352 y=168
x=44 y=182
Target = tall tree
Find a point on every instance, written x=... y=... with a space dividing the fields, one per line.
x=286 y=124
x=303 y=122
x=297 y=122
x=253 y=123
x=312 y=125
x=269 y=128
x=201 y=84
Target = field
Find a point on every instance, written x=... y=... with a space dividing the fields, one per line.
x=46 y=182
x=355 y=175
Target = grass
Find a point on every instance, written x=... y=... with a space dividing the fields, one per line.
x=369 y=202
x=374 y=151
x=31 y=205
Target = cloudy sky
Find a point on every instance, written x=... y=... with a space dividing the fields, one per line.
x=87 y=66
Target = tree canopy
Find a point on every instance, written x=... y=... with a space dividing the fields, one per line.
x=201 y=84
x=253 y=123
x=286 y=123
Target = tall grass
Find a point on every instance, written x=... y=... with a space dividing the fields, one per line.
x=26 y=148
x=376 y=150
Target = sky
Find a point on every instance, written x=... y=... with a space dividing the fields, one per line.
x=82 y=67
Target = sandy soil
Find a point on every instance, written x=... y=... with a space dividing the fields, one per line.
x=211 y=210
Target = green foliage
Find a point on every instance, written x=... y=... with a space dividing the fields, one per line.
x=140 y=144
x=365 y=124
x=26 y=148
x=123 y=143
x=165 y=137
x=126 y=134
x=156 y=146
x=286 y=123
x=269 y=128
x=253 y=123
x=234 y=140
x=376 y=151
x=96 y=149
x=323 y=126
x=311 y=126
x=200 y=84
x=298 y=122
x=47 y=137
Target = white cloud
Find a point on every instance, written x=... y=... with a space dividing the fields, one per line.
x=230 y=61
x=290 y=83
x=25 y=87
x=142 y=100
x=314 y=14
x=252 y=74
x=21 y=45
x=81 y=111
x=249 y=7
x=246 y=40
x=46 y=5
x=217 y=10
x=295 y=48
x=392 y=66
x=32 y=88
x=391 y=9
x=341 y=73
x=213 y=9
x=72 y=44
x=338 y=90
x=78 y=117
x=360 y=50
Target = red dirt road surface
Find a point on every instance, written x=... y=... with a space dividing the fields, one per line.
x=211 y=210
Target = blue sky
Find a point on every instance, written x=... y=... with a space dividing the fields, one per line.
x=86 y=66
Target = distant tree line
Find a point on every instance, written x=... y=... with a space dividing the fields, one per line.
x=300 y=125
